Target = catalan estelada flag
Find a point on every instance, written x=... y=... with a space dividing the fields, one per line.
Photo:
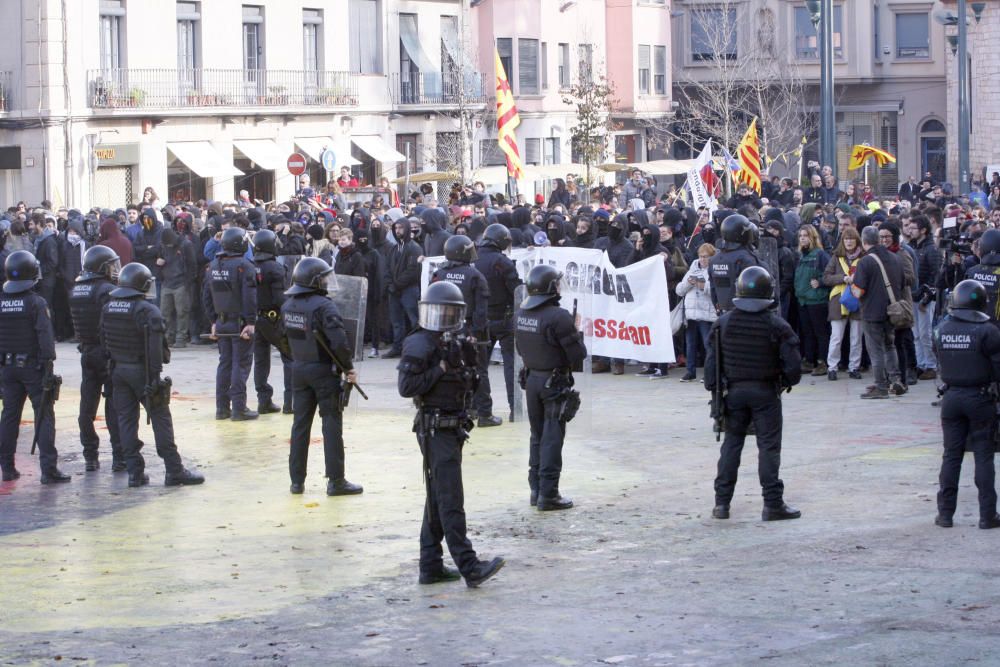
x=861 y=153
x=507 y=120
x=748 y=153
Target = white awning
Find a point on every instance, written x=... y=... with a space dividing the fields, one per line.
x=264 y=152
x=202 y=158
x=378 y=149
x=313 y=147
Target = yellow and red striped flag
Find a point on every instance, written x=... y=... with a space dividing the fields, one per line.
x=861 y=153
x=507 y=120
x=748 y=154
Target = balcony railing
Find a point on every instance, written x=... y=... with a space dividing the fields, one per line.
x=172 y=88
x=410 y=88
x=5 y=102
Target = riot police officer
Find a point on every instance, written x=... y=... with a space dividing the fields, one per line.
x=27 y=352
x=726 y=266
x=230 y=298
x=130 y=316
x=968 y=351
x=502 y=280
x=320 y=355
x=272 y=281
x=550 y=345
x=757 y=354
x=460 y=251
x=987 y=272
x=92 y=290
x=438 y=371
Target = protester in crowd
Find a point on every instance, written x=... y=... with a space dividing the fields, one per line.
x=843 y=312
x=699 y=312
x=812 y=297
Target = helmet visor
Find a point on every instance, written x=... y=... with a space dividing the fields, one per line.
x=441 y=316
x=113 y=269
x=150 y=294
x=329 y=282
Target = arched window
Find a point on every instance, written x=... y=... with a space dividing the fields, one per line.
x=933 y=149
x=933 y=125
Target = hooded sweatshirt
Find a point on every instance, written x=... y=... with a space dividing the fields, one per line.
x=403 y=267
x=147 y=246
x=435 y=233
x=617 y=245
x=112 y=237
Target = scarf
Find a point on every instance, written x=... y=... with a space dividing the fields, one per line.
x=78 y=242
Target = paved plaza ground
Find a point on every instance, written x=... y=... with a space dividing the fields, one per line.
x=239 y=571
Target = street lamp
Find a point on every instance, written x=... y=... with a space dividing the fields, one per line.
x=821 y=12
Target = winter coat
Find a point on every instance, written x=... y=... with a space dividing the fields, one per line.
x=811 y=266
x=833 y=277
x=698 y=297
x=112 y=237
x=435 y=234
x=350 y=262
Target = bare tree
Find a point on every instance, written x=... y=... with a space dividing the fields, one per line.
x=593 y=97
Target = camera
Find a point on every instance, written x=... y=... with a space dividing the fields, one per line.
x=953 y=241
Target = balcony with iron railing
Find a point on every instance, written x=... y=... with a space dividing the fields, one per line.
x=180 y=89
x=437 y=89
x=5 y=85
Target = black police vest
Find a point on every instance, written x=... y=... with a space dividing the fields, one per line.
x=123 y=336
x=464 y=277
x=270 y=285
x=225 y=274
x=297 y=315
x=17 y=319
x=448 y=393
x=536 y=342
x=989 y=276
x=85 y=309
x=492 y=265
x=724 y=269
x=959 y=358
x=750 y=350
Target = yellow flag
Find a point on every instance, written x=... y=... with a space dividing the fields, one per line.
x=860 y=154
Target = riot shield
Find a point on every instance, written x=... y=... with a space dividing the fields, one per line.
x=518 y=408
x=767 y=253
x=350 y=294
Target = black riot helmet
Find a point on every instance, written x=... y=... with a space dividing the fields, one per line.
x=100 y=261
x=543 y=286
x=22 y=270
x=736 y=231
x=312 y=274
x=969 y=301
x=234 y=241
x=264 y=243
x=989 y=242
x=754 y=290
x=498 y=236
x=460 y=249
x=442 y=308
x=135 y=279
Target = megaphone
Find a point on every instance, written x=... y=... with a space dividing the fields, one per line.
x=541 y=238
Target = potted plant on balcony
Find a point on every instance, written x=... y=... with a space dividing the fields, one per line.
x=194 y=98
x=276 y=96
x=136 y=97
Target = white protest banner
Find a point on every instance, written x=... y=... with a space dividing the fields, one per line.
x=625 y=313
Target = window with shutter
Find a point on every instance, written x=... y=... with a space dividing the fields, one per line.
x=505 y=47
x=564 y=66
x=532 y=151
x=660 y=70
x=912 y=36
x=644 y=69
x=365 y=36
x=527 y=66
x=544 y=68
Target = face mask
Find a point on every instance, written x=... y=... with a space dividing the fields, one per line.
x=614 y=233
x=708 y=234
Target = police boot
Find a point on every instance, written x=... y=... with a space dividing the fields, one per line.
x=297 y=488
x=243 y=415
x=92 y=465
x=267 y=408
x=533 y=499
x=553 y=503
x=483 y=571
x=341 y=487
x=10 y=474
x=138 y=479
x=183 y=478
x=720 y=512
x=943 y=520
x=443 y=575
x=286 y=409
x=780 y=512
x=489 y=420
x=223 y=414
x=118 y=465
x=54 y=476
x=990 y=522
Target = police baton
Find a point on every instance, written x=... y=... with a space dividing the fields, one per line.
x=340 y=369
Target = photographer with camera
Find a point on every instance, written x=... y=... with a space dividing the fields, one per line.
x=928 y=267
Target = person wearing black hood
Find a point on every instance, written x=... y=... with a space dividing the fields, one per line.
x=349 y=261
x=521 y=219
x=373 y=271
x=555 y=229
x=787 y=260
x=435 y=232
x=620 y=250
x=658 y=241
x=147 y=248
x=403 y=283
x=272 y=280
x=584 y=233
x=178 y=269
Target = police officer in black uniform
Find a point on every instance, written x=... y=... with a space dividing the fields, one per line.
x=968 y=352
x=550 y=345
x=132 y=334
x=502 y=280
x=27 y=352
x=438 y=370
x=272 y=281
x=230 y=298
x=315 y=331
x=460 y=251
x=760 y=358
x=726 y=266
x=92 y=290
x=987 y=272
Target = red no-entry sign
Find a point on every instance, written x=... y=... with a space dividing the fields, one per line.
x=296 y=164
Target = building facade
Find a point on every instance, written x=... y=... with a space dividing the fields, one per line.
x=889 y=73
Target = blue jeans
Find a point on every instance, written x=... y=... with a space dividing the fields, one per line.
x=403 y=314
x=697 y=331
x=922 y=329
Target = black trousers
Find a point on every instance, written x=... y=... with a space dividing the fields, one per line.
x=444 y=506
x=757 y=403
x=906 y=351
x=262 y=371
x=967 y=420
x=235 y=357
x=128 y=382
x=547 y=434
x=314 y=386
x=502 y=331
x=20 y=384
x=95 y=384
